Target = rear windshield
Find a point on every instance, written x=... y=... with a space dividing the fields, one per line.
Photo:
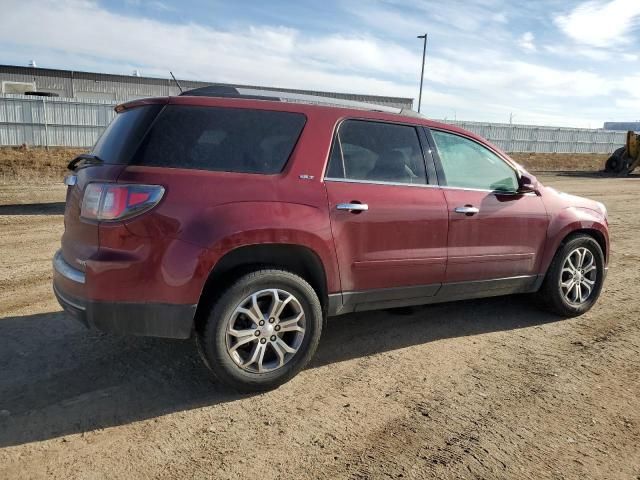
x=221 y=139
x=122 y=137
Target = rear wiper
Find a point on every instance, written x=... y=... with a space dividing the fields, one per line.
x=84 y=160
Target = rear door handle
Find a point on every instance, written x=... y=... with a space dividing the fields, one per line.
x=467 y=210
x=353 y=207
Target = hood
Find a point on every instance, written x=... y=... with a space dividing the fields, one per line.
x=562 y=200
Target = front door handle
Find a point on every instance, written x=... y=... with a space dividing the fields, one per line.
x=353 y=207
x=468 y=210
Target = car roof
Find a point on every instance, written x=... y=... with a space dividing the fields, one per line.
x=284 y=101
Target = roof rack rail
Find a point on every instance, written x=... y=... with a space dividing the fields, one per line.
x=280 y=96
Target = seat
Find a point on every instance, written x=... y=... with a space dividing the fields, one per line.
x=391 y=167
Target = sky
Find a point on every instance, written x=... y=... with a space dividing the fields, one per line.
x=546 y=62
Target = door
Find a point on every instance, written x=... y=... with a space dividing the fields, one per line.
x=494 y=232
x=389 y=224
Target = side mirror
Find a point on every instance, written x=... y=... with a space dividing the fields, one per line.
x=527 y=183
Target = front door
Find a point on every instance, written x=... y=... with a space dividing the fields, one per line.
x=389 y=225
x=494 y=232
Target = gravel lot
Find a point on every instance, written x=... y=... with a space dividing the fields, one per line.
x=480 y=389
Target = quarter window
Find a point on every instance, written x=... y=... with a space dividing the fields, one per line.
x=221 y=139
x=377 y=152
x=468 y=164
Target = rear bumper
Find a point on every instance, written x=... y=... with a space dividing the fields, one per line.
x=125 y=318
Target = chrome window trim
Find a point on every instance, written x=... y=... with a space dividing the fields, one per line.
x=379 y=182
x=443 y=187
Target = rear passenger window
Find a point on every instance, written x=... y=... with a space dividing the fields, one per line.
x=222 y=139
x=377 y=152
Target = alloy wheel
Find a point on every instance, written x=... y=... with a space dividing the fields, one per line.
x=578 y=276
x=265 y=330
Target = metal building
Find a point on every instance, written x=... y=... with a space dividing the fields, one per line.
x=119 y=88
x=622 y=126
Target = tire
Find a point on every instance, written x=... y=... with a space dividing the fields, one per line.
x=557 y=298
x=615 y=162
x=227 y=354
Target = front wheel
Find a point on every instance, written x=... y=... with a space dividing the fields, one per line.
x=574 y=279
x=262 y=331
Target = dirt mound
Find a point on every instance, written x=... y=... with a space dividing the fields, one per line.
x=545 y=162
x=36 y=165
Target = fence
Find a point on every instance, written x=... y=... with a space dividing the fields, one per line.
x=529 y=138
x=46 y=121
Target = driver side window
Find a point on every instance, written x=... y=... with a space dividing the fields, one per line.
x=467 y=164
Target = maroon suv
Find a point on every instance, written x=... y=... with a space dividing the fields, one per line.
x=245 y=221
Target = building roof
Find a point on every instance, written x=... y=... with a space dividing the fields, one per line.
x=187 y=84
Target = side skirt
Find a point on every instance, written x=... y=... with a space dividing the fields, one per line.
x=347 y=302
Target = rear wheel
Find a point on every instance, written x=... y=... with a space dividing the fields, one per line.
x=574 y=279
x=262 y=331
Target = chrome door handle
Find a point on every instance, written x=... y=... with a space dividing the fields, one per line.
x=353 y=207
x=467 y=210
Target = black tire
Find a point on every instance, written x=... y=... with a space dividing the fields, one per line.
x=615 y=162
x=212 y=341
x=551 y=295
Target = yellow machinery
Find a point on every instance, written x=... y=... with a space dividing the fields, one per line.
x=625 y=159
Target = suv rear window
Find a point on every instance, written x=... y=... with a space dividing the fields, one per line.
x=221 y=139
x=121 y=138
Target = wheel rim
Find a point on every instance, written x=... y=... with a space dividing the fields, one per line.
x=265 y=330
x=578 y=276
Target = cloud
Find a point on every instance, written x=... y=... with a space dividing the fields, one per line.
x=526 y=42
x=601 y=23
x=476 y=74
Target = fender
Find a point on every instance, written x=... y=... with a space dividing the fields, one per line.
x=226 y=227
x=569 y=220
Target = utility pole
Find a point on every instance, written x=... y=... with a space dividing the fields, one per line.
x=424 y=53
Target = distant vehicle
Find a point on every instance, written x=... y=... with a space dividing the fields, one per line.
x=622 y=126
x=625 y=159
x=246 y=220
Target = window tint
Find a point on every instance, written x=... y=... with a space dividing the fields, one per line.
x=123 y=135
x=223 y=139
x=468 y=164
x=374 y=151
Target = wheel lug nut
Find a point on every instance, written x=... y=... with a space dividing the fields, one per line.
x=263 y=340
x=273 y=338
x=261 y=323
x=271 y=320
x=257 y=334
x=277 y=328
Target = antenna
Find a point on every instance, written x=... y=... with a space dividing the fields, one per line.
x=176 y=80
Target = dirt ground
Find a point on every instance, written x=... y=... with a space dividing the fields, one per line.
x=479 y=389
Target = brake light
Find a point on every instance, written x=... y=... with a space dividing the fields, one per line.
x=113 y=201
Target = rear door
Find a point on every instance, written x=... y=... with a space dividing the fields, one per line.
x=389 y=223
x=494 y=232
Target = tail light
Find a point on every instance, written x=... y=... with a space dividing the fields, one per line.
x=113 y=201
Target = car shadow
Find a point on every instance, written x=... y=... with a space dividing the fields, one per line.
x=50 y=208
x=59 y=378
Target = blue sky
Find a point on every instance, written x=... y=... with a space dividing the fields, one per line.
x=553 y=62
